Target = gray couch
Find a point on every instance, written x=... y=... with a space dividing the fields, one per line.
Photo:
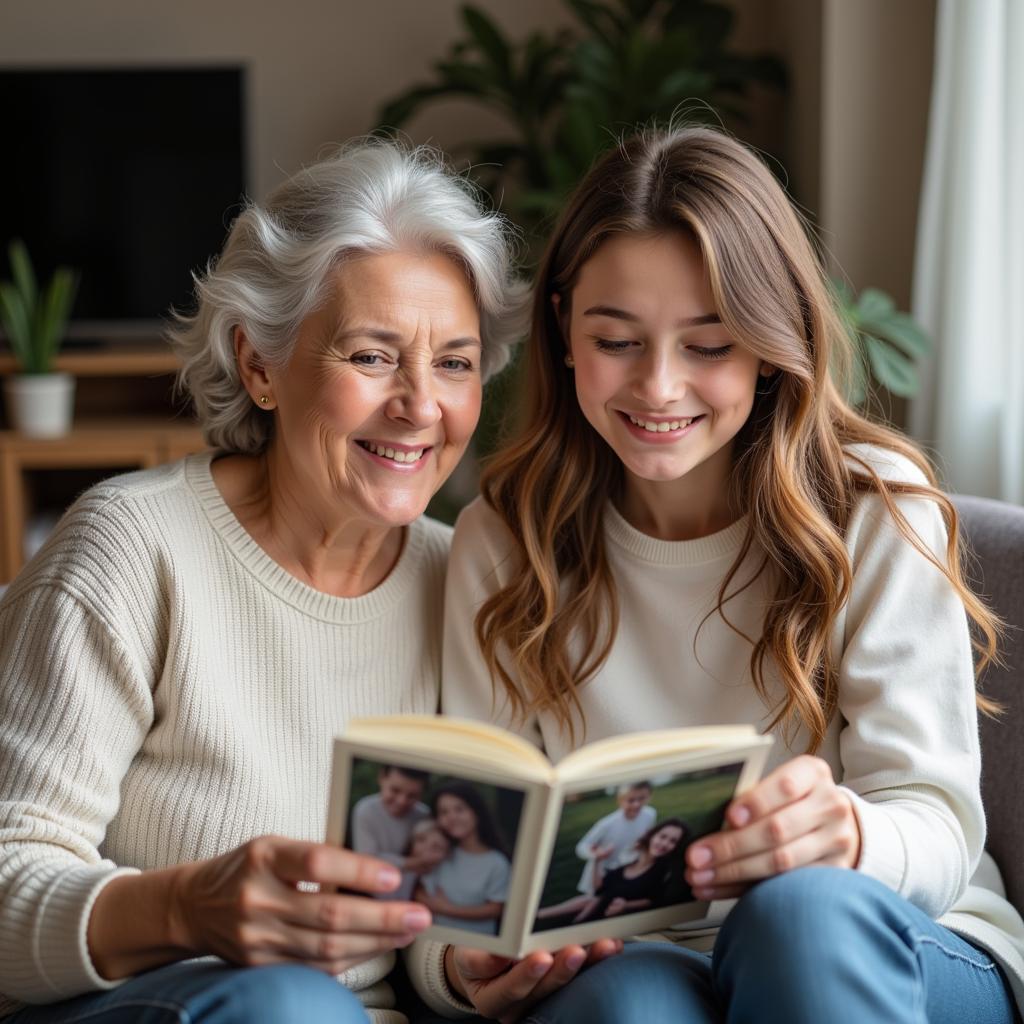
x=995 y=533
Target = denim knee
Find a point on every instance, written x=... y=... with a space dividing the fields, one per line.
x=290 y=994
x=791 y=932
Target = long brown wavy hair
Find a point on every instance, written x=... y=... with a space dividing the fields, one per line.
x=793 y=470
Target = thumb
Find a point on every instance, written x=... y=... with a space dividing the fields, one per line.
x=478 y=965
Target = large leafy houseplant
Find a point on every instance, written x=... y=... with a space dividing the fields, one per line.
x=566 y=94
x=34 y=319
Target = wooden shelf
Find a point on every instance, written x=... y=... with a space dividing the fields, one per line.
x=108 y=362
x=133 y=425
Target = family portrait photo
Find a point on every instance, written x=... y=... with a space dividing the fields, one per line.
x=621 y=850
x=450 y=838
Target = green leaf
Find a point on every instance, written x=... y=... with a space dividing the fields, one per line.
x=16 y=321
x=905 y=333
x=875 y=305
x=57 y=305
x=489 y=39
x=21 y=271
x=890 y=368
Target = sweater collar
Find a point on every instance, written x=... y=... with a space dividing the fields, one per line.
x=277 y=579
x=724 y=543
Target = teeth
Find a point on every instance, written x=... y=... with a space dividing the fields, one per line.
x=663 y=427
x=390 y=453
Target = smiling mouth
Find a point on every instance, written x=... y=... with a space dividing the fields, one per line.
x=662 y=426
x=402 y=455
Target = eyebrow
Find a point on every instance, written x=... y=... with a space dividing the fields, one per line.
x=621 y=314
x=392 y=337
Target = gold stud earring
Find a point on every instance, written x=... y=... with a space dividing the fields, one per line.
x=570 y=362
x=264 y=400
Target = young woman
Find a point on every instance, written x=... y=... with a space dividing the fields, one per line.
x=694 y=527
x=636 y=885
x=468 y=888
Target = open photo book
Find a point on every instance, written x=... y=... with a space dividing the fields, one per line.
x=513 y=854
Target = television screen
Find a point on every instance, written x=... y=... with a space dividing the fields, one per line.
x=130 y=175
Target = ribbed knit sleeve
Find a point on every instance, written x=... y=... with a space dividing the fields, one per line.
x=910 y=749
x=73 y=712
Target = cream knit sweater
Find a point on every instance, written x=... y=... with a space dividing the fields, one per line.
x=905 y=741
x=168 y=692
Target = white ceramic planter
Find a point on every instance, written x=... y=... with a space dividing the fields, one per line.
x=40 y=404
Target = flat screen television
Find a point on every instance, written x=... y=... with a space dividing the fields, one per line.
x=131 y=175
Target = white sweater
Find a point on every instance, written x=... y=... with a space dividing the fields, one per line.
x=168 y=692
x=905 y=741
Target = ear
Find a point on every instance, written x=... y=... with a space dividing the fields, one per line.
x=252 y=372
x=560 y=310
x=767 y=370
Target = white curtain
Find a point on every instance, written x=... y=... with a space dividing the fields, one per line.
x=969 y=268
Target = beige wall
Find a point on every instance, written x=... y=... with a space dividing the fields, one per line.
x=850 y=133
x=318 y=69
x=876 y=84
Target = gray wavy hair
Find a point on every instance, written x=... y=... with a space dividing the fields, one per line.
x=371 y=196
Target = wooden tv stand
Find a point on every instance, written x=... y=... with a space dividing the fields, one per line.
x=125 y=418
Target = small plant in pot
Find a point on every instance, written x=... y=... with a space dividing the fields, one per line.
x=39 y=401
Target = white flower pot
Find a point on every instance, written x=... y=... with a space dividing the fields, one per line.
x=40 y=404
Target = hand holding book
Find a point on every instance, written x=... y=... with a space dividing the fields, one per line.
x=509 y=830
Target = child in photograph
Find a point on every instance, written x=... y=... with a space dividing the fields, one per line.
x=427 y=848
x=637 y=885
x=610 y=842
x=382 y=822
x=468 y=888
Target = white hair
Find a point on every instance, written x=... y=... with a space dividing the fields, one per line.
x=371 y=196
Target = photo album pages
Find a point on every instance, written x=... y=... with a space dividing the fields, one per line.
x=513 y=854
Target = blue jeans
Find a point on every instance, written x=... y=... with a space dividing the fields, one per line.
x=813 y=945
x=210 y=992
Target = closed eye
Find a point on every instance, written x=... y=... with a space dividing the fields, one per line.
x=703 y=352
x=611 y=345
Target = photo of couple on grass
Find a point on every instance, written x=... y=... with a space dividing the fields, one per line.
x=633 y=855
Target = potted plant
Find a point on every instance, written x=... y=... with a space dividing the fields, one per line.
x=39 y=400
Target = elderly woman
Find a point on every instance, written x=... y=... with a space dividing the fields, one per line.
x=175 y=662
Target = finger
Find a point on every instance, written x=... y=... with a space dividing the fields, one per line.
x=331 y=912
x=334 y=967
x=295 y=861
x=812 y=848
x=320 y=948
x=818 y=808
x=602 y=949
x=511 y=990
x=725 y=892
x=476 y=965
x=790 y=781
x=566 y=966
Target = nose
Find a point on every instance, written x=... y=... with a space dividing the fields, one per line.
x=660 y=380
x=415 y=399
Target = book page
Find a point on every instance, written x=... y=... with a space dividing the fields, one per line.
x=654 y=746
x=463 y=841
x=459 y=739
x=617 y=860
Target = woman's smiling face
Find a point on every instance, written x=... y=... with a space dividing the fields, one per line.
x=664 y=841
x=382 y=392
x=456 y=817
x=657 y=374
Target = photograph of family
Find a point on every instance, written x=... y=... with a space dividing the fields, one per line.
x=620 y=850
x=451 y=839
